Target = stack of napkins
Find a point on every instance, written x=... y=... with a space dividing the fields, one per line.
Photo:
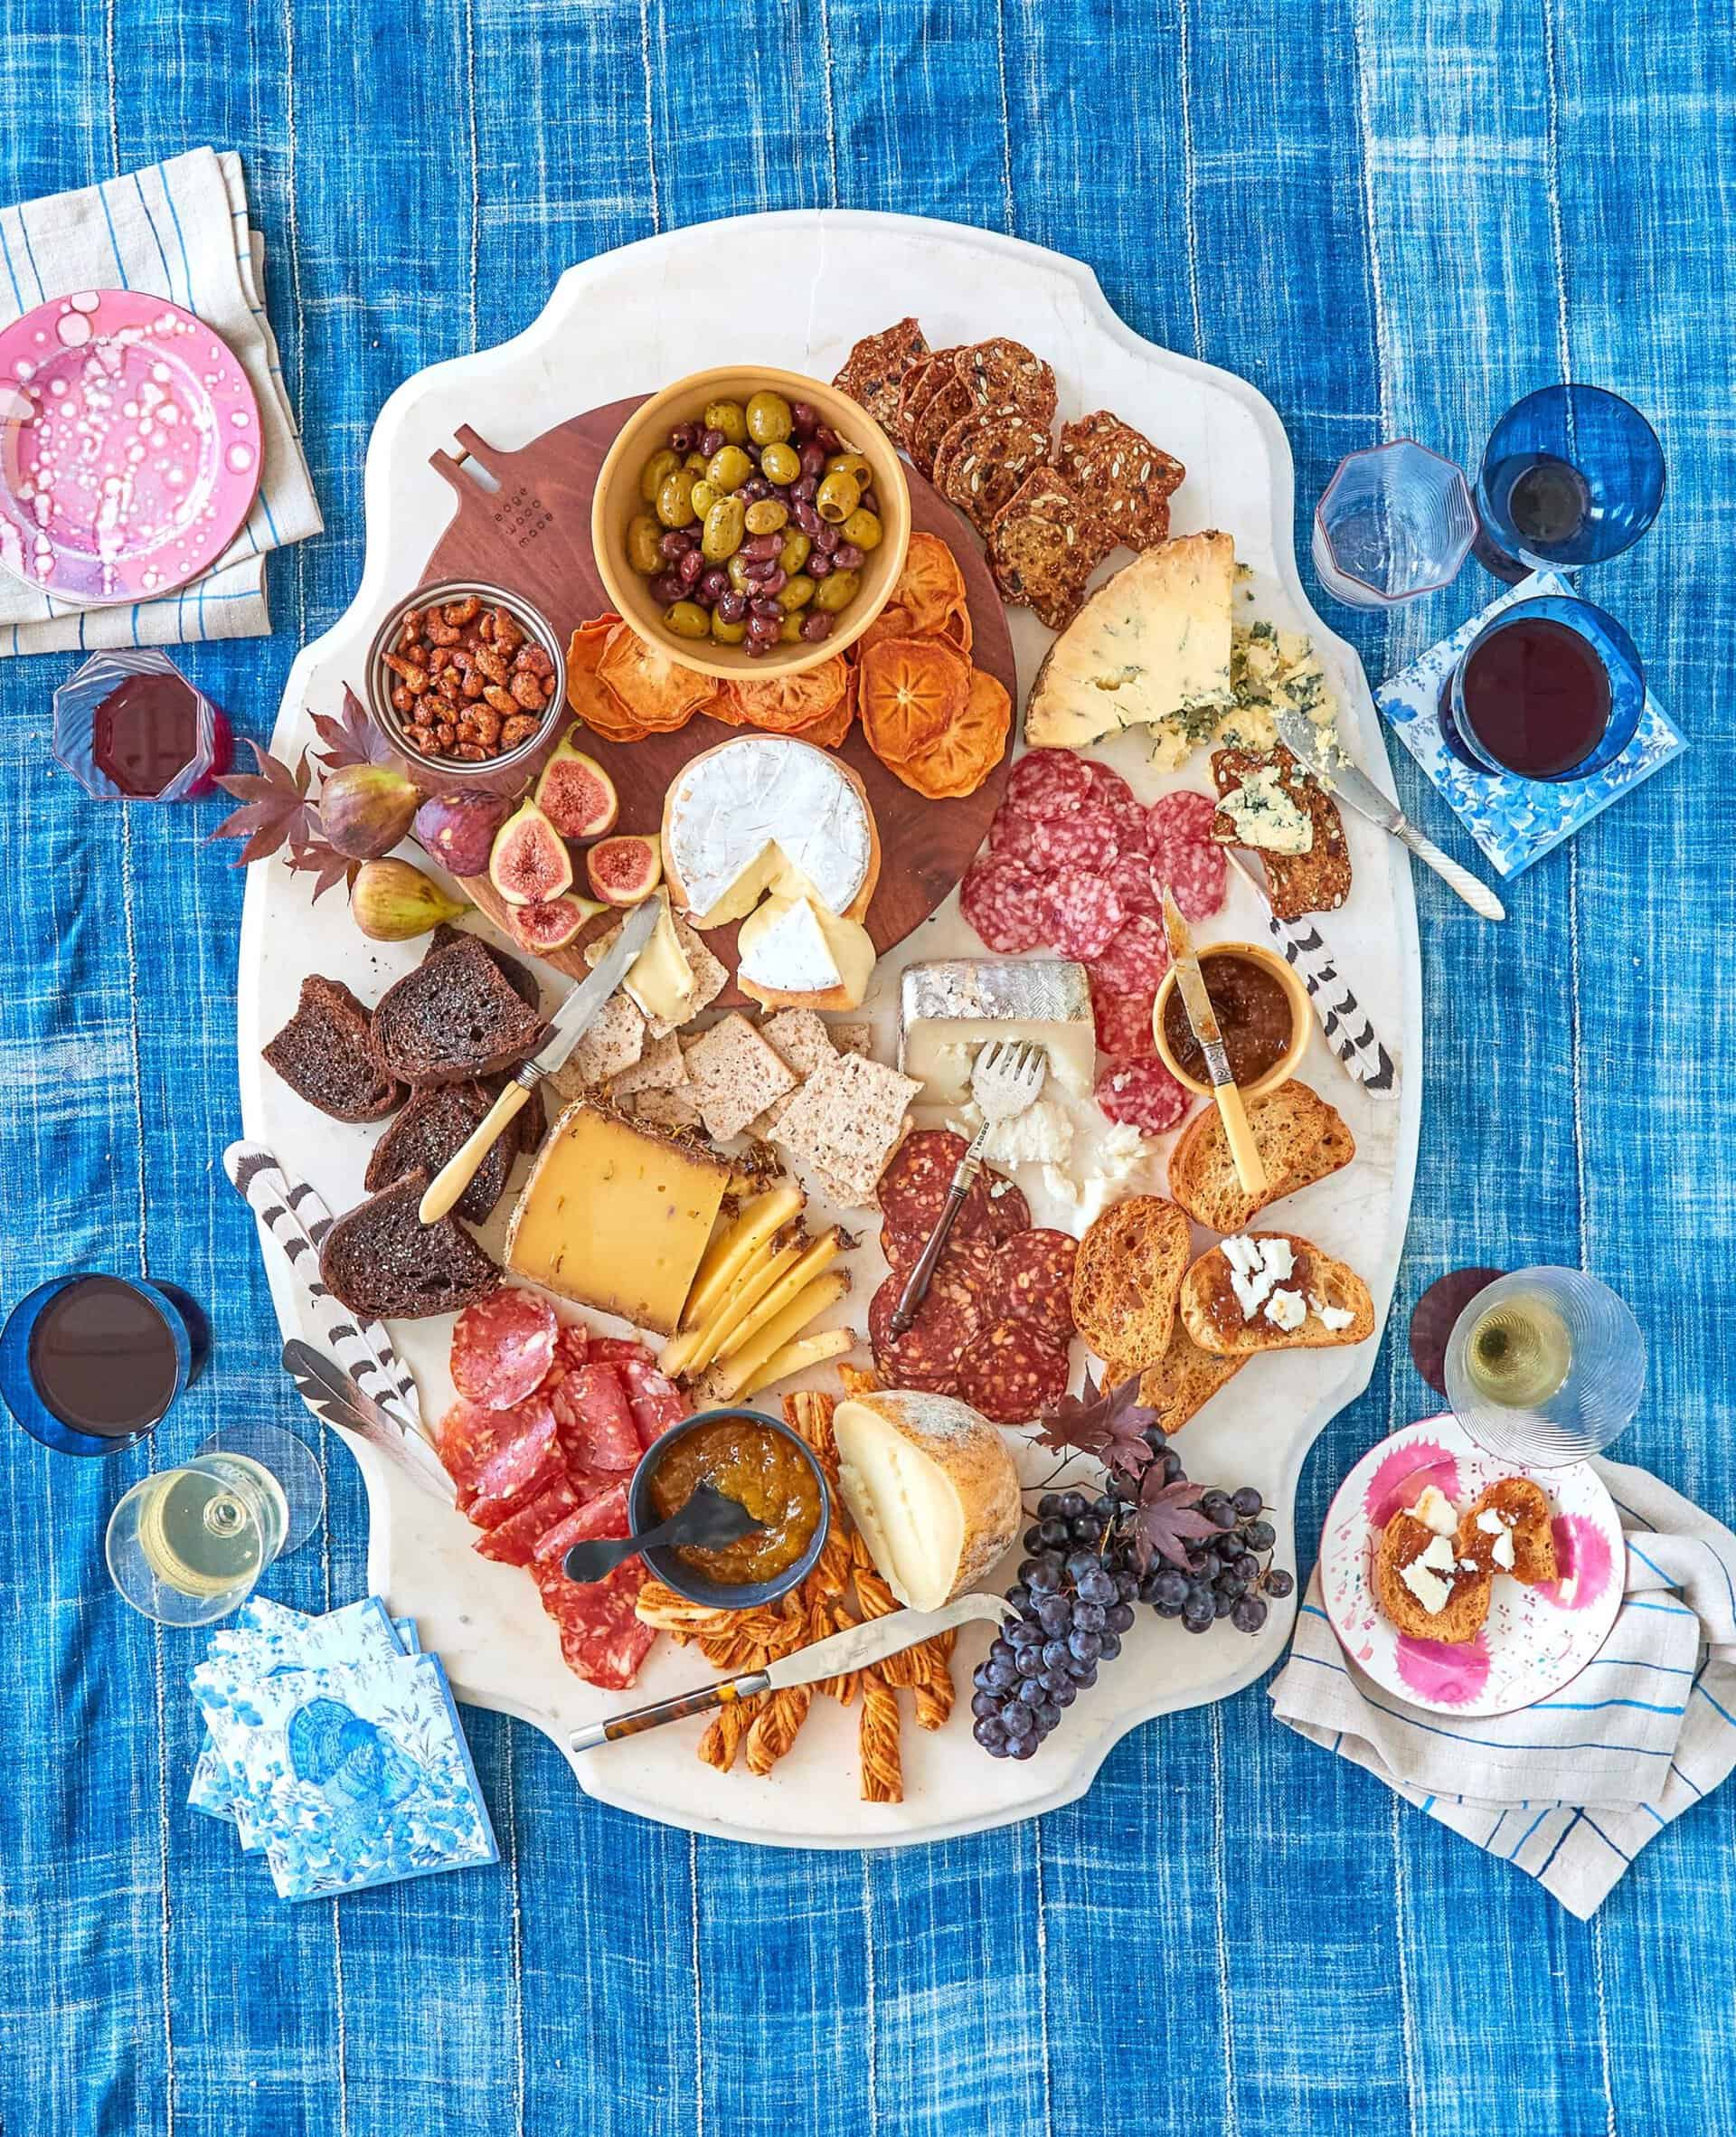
x=333 y=1746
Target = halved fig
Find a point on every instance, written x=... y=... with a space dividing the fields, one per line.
x=529 y=864
x=554 y=922
x=626 y=869
x=577 y=795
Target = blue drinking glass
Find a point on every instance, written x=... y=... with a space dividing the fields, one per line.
x=1614 y=652
x=91 y=1363
x=1571 y=476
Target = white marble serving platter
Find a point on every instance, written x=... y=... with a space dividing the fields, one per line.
x=625 y=324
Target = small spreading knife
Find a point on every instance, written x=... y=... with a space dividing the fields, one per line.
x=1339 y=776
x=568 y=1024
x=1203 y=1018
x=859 y=1647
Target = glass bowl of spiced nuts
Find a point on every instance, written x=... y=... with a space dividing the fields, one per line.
x=465 y=679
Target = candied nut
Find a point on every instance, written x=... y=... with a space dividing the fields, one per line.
x=529 y=693
x=449 y=684
x=474 y=687
x=464 y=611
x=470 y=753
x=447 y=733
x=536 y=662
x=502 y=700
x=413 y=622
x=401 y=701
x=491 y=665
x=423 y=739
x=462 y=659
x=443 y=634
x=439 y=660
x=519 y=728
x=486 y=628
x=508 y=637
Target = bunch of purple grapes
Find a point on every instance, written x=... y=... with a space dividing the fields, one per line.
x=1076 y=1590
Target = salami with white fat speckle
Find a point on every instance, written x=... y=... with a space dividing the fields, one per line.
x=1084 y=840
x=1131 y=881
x=1031 y=1279
x=1084 y=914
x=926 y=1356
x=503 y=1348
x=1143 y=1093
x=1134 y=961
x=1047 y=783
x=963 y=1270
x=1123 y=1024
x=1183 y=854
x=1006 y=904
x=1011 y=1371
x=1111 y=795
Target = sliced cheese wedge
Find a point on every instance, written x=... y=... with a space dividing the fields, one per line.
x=772 y=1300
x=799 y=1356
x=791 y=950
x=726 y=1379
x=746 y=1301
x=930 y=1483
x=683 y=1349
x=727 y=1256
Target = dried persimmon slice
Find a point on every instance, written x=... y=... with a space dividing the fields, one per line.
x=782 y=703
x=655 y=691
x=909 y=692
x=930 y=586
x=961 y=758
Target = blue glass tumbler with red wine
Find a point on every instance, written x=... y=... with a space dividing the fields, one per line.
x=89 y=1363
x=1550 y=689
x=1571 y=476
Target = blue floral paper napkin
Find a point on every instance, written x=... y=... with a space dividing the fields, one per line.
x=1515 y=821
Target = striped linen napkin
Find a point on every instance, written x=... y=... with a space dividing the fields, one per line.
x=1570 y=1789
x=178 y=230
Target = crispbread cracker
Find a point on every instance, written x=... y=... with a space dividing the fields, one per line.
x=734 y=1075
x=846 y=1122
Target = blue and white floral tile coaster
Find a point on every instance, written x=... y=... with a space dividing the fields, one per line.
x=1515 y=821
x=355 y=1776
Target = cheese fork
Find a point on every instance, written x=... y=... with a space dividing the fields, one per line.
x=1006 y=1080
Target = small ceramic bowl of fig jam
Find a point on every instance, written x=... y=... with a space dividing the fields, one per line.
x=1263 y=1018
x=757 y=1460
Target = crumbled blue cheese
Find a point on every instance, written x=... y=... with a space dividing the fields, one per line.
x=1265 y=815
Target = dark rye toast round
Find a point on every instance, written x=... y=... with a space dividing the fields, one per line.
x=435 y=1126
x=517 y=976
x=383 y=1263
x=455 y=1017
x=325 y=1056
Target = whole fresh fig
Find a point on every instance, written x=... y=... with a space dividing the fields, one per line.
x=365 y=809
x=391 y=902
x=458 y=830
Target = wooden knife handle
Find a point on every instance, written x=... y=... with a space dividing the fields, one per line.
x=1243 y=1151
x=457 y=1174
x=916 y=1289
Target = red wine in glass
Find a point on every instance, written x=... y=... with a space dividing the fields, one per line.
x=1537 y=697
x=89 y=1364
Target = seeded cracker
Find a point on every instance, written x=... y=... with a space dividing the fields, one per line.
x=938 y=416
x=1126 y=478
x=664 y=1109
x=660 y=1067
x=735 y=1075
x=876 y=368
x=846 y=1122
x=801 y=1036
x=984 y=460
x=1004 y=374
x=1043 y=546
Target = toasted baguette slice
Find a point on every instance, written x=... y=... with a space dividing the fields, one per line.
x=1214 y=1319
x=1300 y=1140
x=1403 y=1540
x=1183 y=1380
x=1317 y=881
x=1522 y=1505
x=1128 y=1268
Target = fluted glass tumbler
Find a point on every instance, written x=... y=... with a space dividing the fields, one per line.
x=1394 y=521
x=1545 y=1367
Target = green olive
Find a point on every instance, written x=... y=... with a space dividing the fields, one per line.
x=655 y=472
x=705 y=495
x=835 y=592
x=851 y=463
x=793 y=555
x=737 y=568
x=729 y=417
x=687 y=619
x=789 y=631
x=836 y=498
x=765 y=515
x=780 y=463
x=863 y=528
x=722 y=534
x=799 y=590
x=728 y=634
x=643 y=533
x=696 y=462
x=676 y=500
x=769 y=421
x=730 y=468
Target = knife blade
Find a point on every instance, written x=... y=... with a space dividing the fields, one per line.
x=1203 y=1019
x=858 y=1647
x=1339 y=776
x=567 y=1026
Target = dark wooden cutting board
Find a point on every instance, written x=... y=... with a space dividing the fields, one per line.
x=524 y=524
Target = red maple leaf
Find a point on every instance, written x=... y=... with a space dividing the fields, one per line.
x=1111 y=1425
x=311 y=855
x=352 y=739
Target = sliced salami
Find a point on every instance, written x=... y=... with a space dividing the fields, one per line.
x=618 y=1350
x=602 y=1514
x=961 y=1274
x=1032 y=1280
x=1181 y=818
x=1005 y=903
x=1123 y=1025
x=1131 y=881
x=468 y=1436
x=571 y=1350
x=1111 y=795
x=502 y=1349
x=1085 y=915
x=514 y=1541
x=1135 y=960
x=1014 y=837
x=1143 y=1093
x=1012 y=1371
x=1184 y=856
x=654 y=1400
x=1047 y=783
x=1198 y=876
x=1005 y=1209
x=601 y=1638
x=598 y=1432
x=1086 y=839
x=521 y=1466
x=926 y=1356
x=913 y=1188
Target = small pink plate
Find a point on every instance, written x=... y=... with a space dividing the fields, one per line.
x=129 y=447
x=1534 y=1639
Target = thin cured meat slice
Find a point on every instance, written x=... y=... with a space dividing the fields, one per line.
x=1085 y=840
x=469 y=1439
x=926 y=1356
x=1198 y=876
x=1143 y=1093
x=1134 y=961
x=1123 y=1025
x=601 y=1513
x=601 y=1638
x=912 y=1189
x=1085 y=915
x=654 y=1400
x=503 y=1348
x=1183 y=817
x=520 y=1468
x=572 y=1350
x=597 y=1430
x=618 y=1350
x=1014 y=837
x=1111 y=794
x=1183 y=854
x=962 y=1271
x=1031 y=1280
x=1131 y=881
x=1047 y=783
x=1011 y=1371
x=513 y=1540
x=1006 y=904
x=1007 y=1211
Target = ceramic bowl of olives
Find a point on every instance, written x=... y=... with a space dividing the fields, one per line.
x=750 y=523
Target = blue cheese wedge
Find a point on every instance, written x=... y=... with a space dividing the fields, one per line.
x=1150 y=648
x=1265 y=816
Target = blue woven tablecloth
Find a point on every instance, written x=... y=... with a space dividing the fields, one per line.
x=1394 y=216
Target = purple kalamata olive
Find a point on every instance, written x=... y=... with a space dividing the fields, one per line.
x=803 y=512
x=818 y=565
x=715 y=583
x=775 y=580
x=755 y=488
x=869 y=501
x=816 y=625
x=826 y=538
x=673 y=544
x=765 y=608
x=760 y=567
x=758 y=545
x=847 y=557
x=804 y=488
x=827 y=437
x=813 y=459
x=762 y=631
x=803 y=417
x=682 y=437
x=690 y=564
x=711 y=441
x=667 y=589
x=733 y=606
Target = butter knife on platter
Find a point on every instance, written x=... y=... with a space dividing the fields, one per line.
x=1202 y=1018
x=1339 y=776
x=858 y=1647
x=568 y=1025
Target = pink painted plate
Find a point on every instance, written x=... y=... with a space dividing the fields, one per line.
x=1534 y=1639
x=129 y=447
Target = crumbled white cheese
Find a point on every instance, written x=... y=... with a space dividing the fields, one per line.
x=1438 y=1553
x=1332 y=1317
x=1041 y=1135
x=1568 y=1590
x=1434 y=1510
x=1256 y=1266
x=1430 y=1590
x=1286 y=1309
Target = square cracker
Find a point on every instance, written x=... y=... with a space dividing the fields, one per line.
x=735 y=1075
x=660 y=1067
x=709 y=977
x=613 y=1043
x=846 y=1122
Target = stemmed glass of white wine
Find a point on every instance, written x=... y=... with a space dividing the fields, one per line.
x=187 y=1546
x=1545 y=1367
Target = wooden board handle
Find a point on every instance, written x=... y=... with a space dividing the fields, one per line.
x=1243 y=1150
x=457 y=1174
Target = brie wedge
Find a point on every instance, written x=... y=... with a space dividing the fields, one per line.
x=763 y=816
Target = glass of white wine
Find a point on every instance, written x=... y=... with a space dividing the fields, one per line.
x=187 y=1546
x=1545 y=1367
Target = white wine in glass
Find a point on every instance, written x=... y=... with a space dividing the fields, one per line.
x=1545 y=1367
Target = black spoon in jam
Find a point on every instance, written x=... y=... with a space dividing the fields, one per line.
x=708 y=1520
